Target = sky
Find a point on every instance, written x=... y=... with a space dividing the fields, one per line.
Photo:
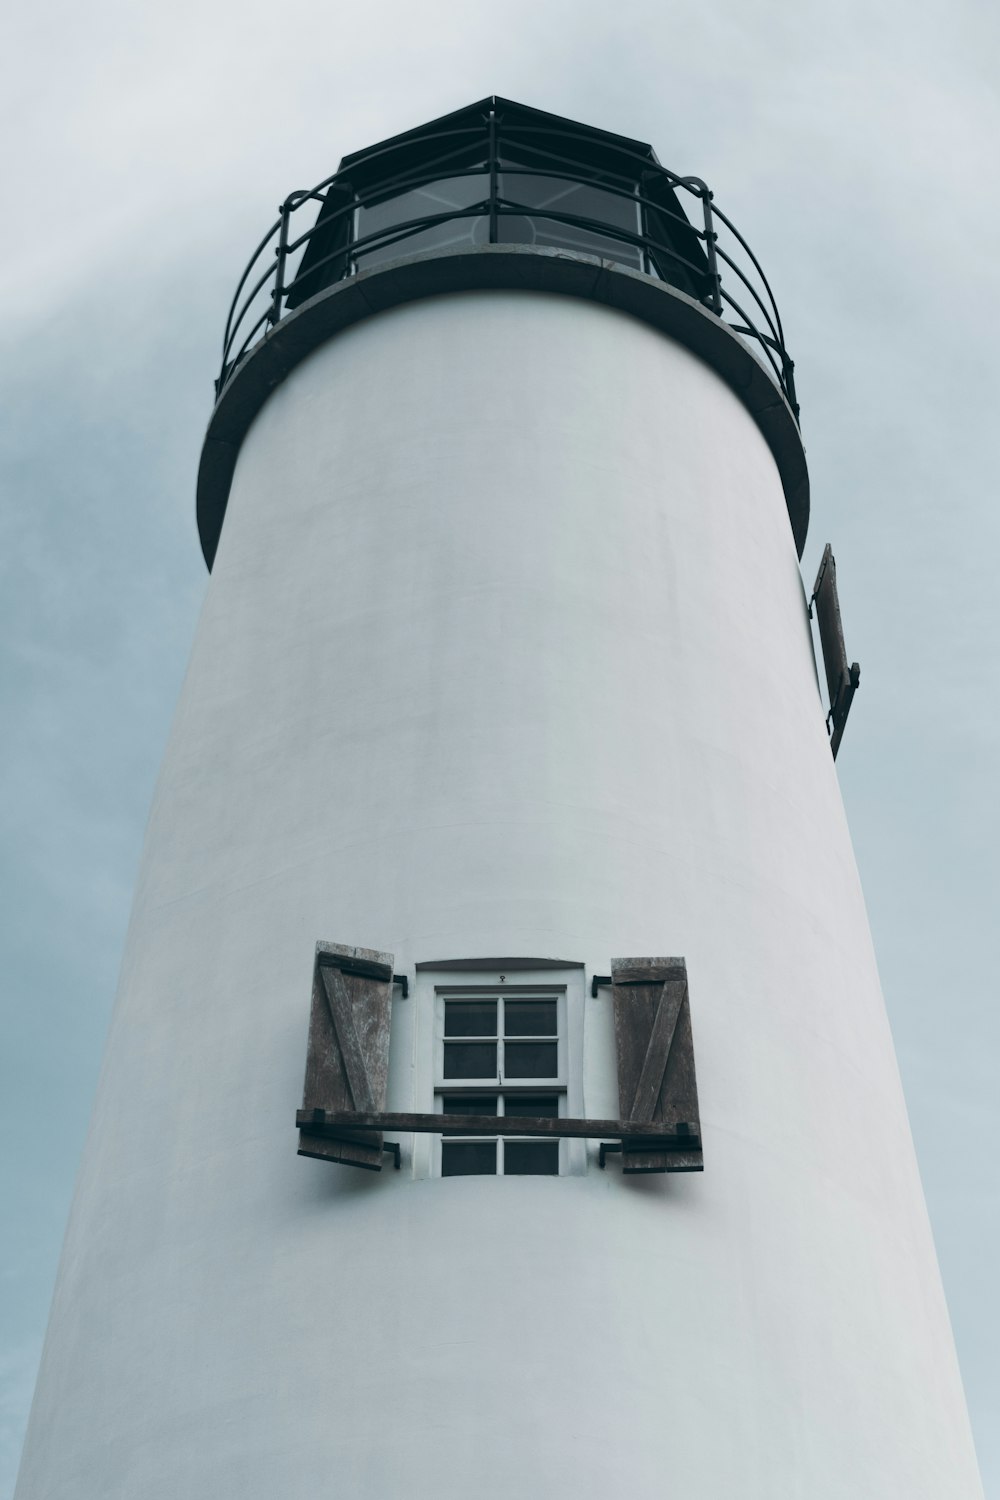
x=146 y=149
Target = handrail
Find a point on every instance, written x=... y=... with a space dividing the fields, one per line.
x=775 y=332
x=253 y=313
x=243 y=280
x=756 y=265
x=749 y=328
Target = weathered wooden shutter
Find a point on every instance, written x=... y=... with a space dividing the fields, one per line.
x=347 y=1065
x=656 y=1077
x=841 y=680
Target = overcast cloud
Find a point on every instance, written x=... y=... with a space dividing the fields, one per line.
x=146 y=149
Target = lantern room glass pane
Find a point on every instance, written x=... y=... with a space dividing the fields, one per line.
x=582 y=200
x=448 y=195
x=563 y=195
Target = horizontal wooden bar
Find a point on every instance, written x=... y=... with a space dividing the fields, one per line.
x=653 y=974
x=660 y=1137
x=364 y=967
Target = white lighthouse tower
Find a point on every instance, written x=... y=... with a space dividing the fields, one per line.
x=500 y=809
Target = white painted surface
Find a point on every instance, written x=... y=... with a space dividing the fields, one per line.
x=505 y=653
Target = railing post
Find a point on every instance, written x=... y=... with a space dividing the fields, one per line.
x=493 y=176
x=788 y=372
x=279 y=276
x=713 y=263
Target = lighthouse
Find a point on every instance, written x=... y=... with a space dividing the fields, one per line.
x=499 y=1097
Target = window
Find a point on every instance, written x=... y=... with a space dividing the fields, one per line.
x=501 y=1054
x=581 y=200
x=382 y=224
x=504 y=1048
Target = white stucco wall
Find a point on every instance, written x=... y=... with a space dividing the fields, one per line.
x=505 y=653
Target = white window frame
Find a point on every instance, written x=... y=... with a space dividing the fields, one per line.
x=503 y=1088
x=434 y=986
x=502 y=994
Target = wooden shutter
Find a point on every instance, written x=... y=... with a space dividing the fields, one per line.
x=841 y=680
x=656 y=1077
x=347 y=1064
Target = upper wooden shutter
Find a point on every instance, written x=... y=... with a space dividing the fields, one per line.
x=347 y=1065
x=841 y=680
x=656 y=1077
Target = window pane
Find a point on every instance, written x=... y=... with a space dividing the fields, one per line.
x=469 y=1104
x=539 y=1106
x=515 y=229
x=453 y=234
x=471 y=1060
x=449 y=195
x=525 y=1060
x=530 y=1018
x=582 y=199
x=446 y=195
x=531 y=1158
x=468 y=1158
x=470 y=1018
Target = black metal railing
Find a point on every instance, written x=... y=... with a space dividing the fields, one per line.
x=501 y=174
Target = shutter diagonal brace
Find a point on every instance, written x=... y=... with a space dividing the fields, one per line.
x=661 y=1038
x=339 y=1003
x=656 y=1076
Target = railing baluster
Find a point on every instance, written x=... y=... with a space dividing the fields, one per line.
x=788 y=371
x=493 y=176
x=713 y=264
x=281 y=253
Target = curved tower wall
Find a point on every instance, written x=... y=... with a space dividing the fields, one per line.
x=505 y=653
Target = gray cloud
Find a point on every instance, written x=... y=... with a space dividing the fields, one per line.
x=853 y=145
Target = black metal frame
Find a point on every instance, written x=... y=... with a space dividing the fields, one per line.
x=493 y=139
